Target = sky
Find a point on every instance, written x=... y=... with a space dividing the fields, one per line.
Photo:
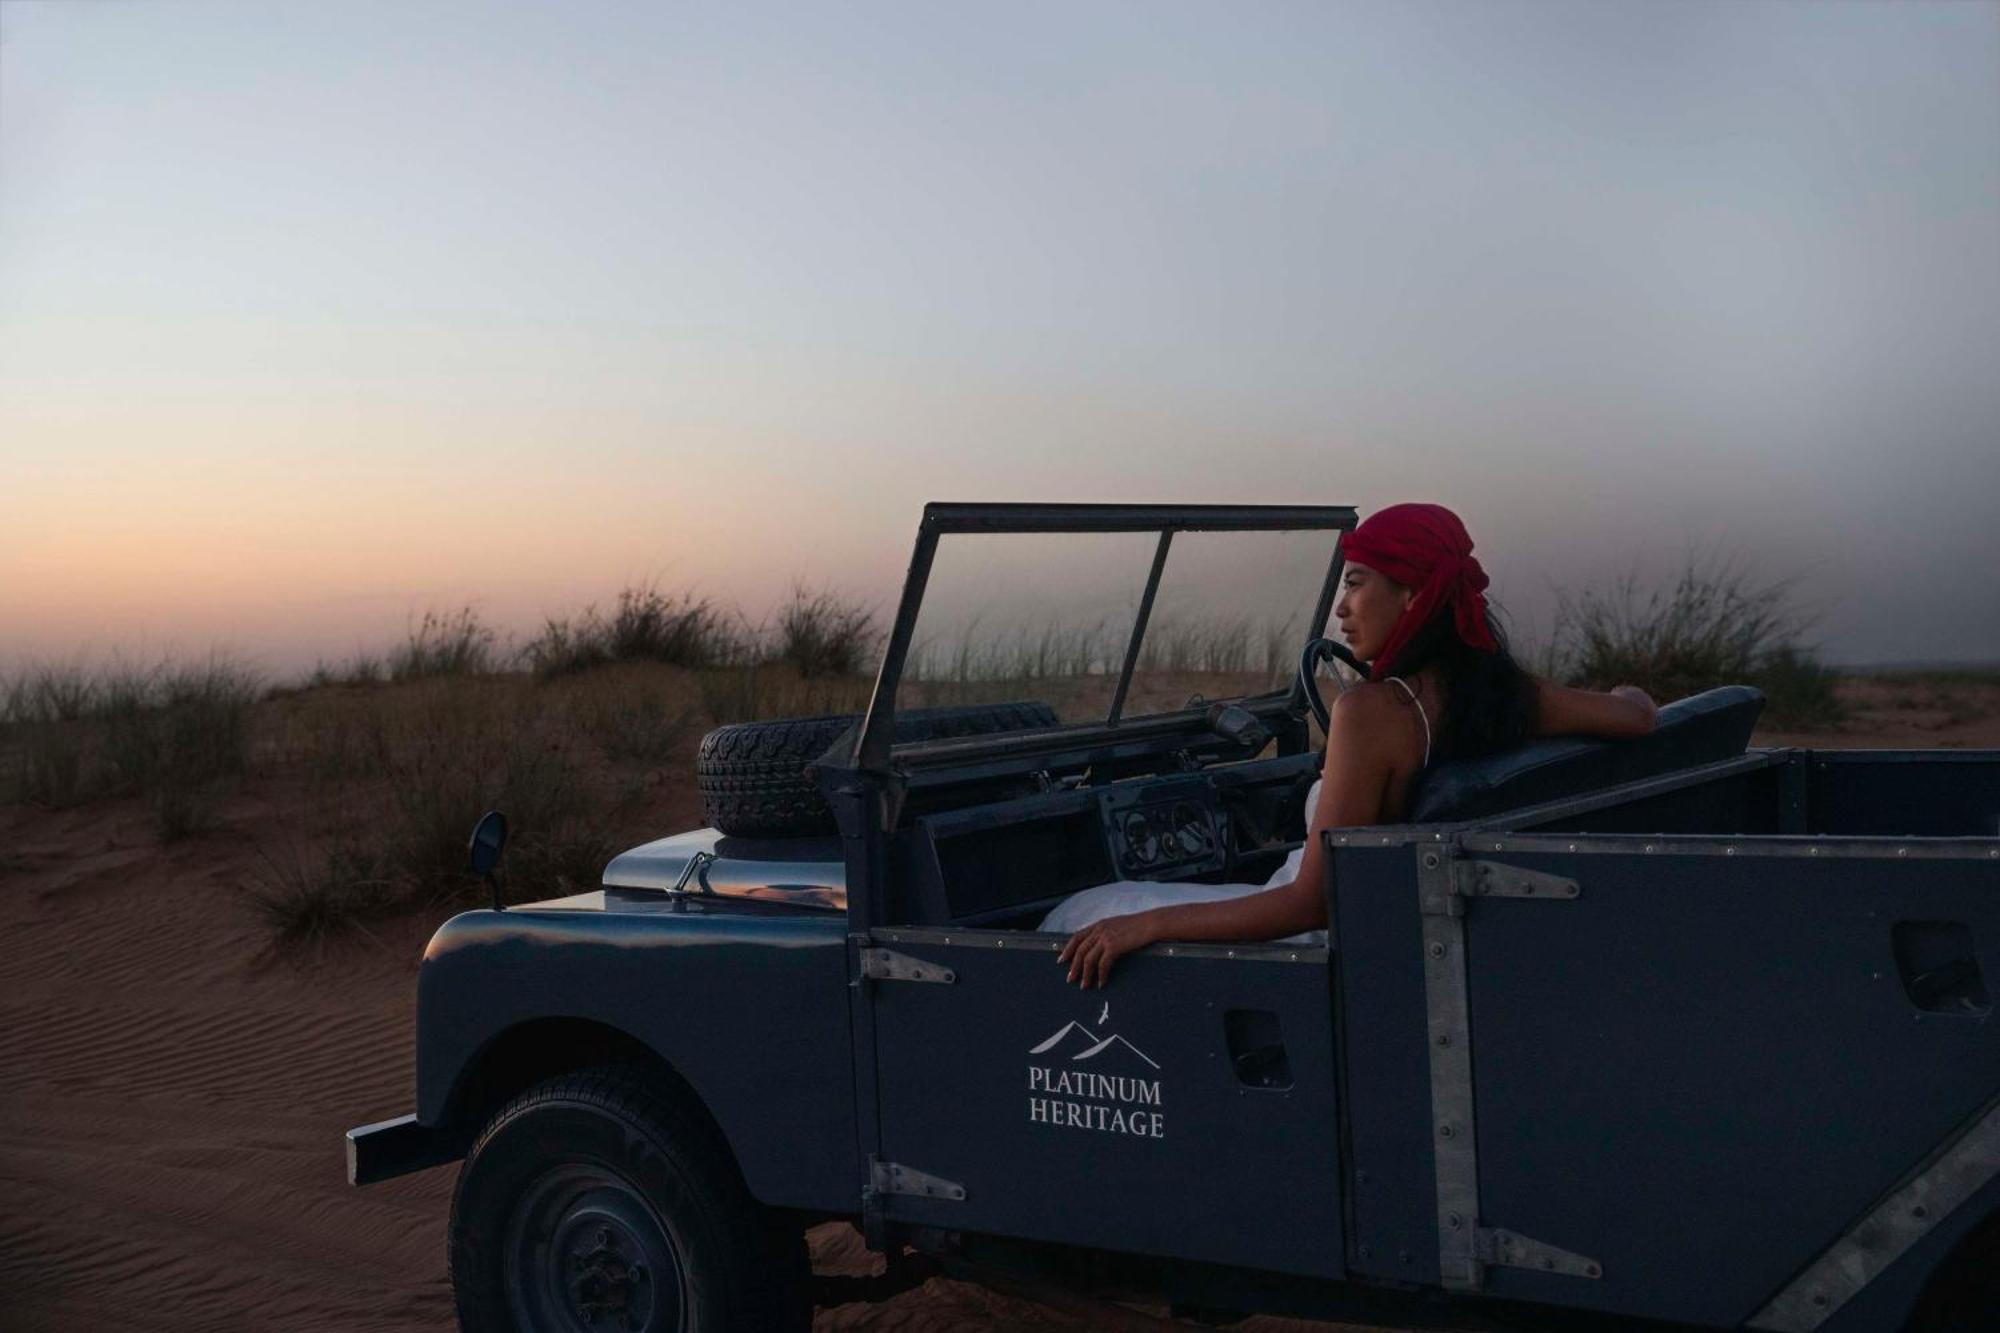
x=315 y=317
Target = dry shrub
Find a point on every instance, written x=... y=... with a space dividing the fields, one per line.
x=406 y=771
x=647 y=625
x=43 y=712
x=360 y=669
x=171 y=732
x=305 y=899
x=1714 y=625
x=459 y=644
x=821 y=633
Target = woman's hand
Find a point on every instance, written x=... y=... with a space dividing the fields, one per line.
x=1091 y=951
x=1639 y=697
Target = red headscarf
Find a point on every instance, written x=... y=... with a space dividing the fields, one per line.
x=1426 y=548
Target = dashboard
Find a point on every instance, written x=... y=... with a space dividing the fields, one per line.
x=1004 y=861
x=1165 y=830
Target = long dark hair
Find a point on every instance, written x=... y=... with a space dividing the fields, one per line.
x=1489 y=701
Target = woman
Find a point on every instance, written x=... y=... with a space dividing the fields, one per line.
x=1441 y=685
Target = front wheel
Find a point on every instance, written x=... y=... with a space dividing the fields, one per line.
x=595 y=1202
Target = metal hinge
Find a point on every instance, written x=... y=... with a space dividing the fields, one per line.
x=888 y=965
x=1491 y=879
x=1504 y=1249
x=894 y=1178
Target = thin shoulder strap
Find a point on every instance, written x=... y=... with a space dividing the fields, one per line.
x=1411 y=695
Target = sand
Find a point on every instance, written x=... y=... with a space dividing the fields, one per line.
x=173 y=1090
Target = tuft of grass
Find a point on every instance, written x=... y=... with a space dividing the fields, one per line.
x=1713 y=625
x=306 y=900
x=646 y=625
x=171 y=732
x=459 y=644
x=360 y=669
x=821 y=633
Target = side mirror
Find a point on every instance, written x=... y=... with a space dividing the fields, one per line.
x=489 y=838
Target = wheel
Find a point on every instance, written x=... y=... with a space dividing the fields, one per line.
x=752 y=775
x=595 y=1202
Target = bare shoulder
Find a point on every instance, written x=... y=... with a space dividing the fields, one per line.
x=1368 y=715
x=1363 y=703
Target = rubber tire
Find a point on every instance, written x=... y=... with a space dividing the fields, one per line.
x=741 y=1268
x=752 y=775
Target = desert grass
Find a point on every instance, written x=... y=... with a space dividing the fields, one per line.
x=823 y=634
x=454 y=644
x=1713 y=624
x=174 y=733
x=645 y=625
x=393 y=779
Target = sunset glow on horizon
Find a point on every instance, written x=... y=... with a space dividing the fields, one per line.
x=315 y=318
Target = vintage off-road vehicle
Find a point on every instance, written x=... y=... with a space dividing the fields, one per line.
x=1667 y=1032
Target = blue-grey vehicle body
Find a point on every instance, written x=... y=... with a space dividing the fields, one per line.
x=1671 y=1031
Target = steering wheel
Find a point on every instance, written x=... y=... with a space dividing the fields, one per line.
x=1317 y=651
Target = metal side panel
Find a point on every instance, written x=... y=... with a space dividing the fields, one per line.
x=1966 y=1164
x=1706 y=1062
x=1186 y=1110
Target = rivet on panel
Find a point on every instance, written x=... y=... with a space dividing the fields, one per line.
x=1430 y=860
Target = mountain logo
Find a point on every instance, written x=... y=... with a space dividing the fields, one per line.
x=1091 y=1045
x=1067 y=1091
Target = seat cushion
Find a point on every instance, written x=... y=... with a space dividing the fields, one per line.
x=1700 y=729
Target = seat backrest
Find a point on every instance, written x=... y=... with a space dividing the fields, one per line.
x=1700 y=729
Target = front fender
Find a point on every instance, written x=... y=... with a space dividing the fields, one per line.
x=751 y=1011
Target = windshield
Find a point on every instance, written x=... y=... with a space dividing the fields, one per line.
x=1106 y=626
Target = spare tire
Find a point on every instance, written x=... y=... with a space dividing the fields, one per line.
x=752 y=775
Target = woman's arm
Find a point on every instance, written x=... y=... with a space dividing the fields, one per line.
x=1617 y=714
x=1354 y=784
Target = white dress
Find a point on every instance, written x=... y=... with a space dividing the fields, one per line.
x=1124 y=896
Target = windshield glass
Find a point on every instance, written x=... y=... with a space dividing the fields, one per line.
x=1050 y=616
x=1036 y=615
x=1231 y=614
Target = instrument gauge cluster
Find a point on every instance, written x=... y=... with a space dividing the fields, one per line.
x=1165 y=830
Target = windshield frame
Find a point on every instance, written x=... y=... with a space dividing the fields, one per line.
x=873 y=747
